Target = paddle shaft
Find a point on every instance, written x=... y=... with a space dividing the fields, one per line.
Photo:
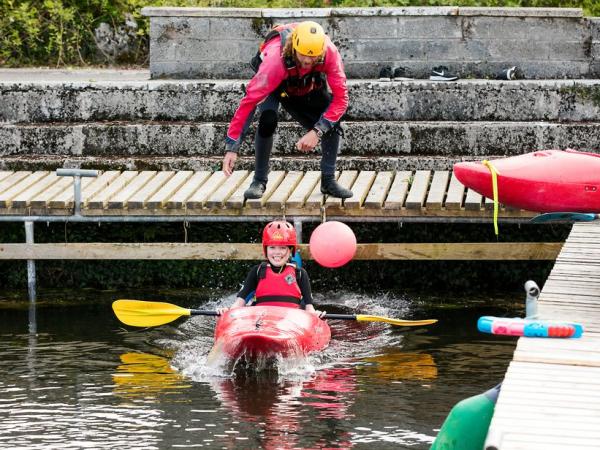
x=201 y=312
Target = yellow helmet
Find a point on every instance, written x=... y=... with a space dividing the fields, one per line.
x=308 y=38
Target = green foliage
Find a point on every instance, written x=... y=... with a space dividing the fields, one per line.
x=61 y=32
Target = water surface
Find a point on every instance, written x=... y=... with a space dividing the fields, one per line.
x=87 y=381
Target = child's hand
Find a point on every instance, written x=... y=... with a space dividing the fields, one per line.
x=318 y=313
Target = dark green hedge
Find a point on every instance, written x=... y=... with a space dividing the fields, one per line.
x=61 y=33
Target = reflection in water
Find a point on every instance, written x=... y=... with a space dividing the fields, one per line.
x=86 y=381
x=398 y=365
x=285 y=413
x=145 y=375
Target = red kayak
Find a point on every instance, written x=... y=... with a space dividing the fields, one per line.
x=259 y=332
x=543 y=181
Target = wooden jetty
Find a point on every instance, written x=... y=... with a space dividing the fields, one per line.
x=550 y=397
x=421 y=195
x=377 y=194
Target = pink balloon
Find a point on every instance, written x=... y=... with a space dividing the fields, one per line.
x=332 y=244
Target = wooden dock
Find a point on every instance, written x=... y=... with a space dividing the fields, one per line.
x=550 y=398
x=377 y=195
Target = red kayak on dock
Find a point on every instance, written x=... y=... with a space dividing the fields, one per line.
x=542 y=181
x=262 y=332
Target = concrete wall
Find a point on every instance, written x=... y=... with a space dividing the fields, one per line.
x=474 y=42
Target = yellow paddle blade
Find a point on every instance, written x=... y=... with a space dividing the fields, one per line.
x=147 y=314
x=399 y=322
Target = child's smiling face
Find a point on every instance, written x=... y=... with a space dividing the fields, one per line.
x=278 y=255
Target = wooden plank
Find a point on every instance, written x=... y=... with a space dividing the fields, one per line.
x=236 y=199
x=316 y=198
x=23 y=199
x=274 y=179
x=278 y=199
x=12 y=179
x=379 y=190
x=473 y=200
x=119 y=200
x=418 y=189
x=218 y=197
x=160 y=197
x=456 y=194
x=8 y=194
x=401 y=251
x=179 y=198
x=458 y=251
x=346 y=179
x=437 y=191
x=65 y=197
x=198 y=198
x=300 y=194
x=398 y=190
x=5 y=173
x=101 y=198
x=96 y=185
x=42 y=199
x=138 y=200
x=360 y=189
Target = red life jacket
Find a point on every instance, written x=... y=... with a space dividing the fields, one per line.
x=294 y=84
x=278 y=289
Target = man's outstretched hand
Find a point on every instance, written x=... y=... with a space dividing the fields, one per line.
x=308 y=142
x=229 y=162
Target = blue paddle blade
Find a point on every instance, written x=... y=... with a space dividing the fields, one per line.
x=564 y=217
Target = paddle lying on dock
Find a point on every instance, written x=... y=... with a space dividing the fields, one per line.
x=565 y=217
x=139 y=313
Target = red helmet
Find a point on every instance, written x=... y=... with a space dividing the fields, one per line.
x=279 y=232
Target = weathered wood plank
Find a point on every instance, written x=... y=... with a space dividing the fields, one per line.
x=400 y=251
x=473 y=200
x=12 y=179
x=178 y=199
x=218 y=197
x=456 y=194
x=360 y=189
x=138 y=200
x=64 y=200
x=379 y=190
x=198 y=198
x=8 y=194
x=120 y=199
x=42 y=199
x=23 y=199
x=418 y=189
x=160 y=197
x=236 y=200
x=275 y=179
x=101 y=198
x=437 y=190
x=303 y=190
x=278 y=199
x=5 y=173
x=346 y=179
x=398 y=190
x=316 y=198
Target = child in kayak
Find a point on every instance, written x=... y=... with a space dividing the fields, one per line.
x=277 y=282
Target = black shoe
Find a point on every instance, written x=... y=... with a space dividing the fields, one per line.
x=401 y=74
x=255 y=190
x=508 y=74
x=333 y=188
x=386 y=74
x=441 y=73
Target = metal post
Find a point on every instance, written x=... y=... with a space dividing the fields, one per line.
x=76 y=174
x=533 y=292
x=298 y=227
x=31 y=279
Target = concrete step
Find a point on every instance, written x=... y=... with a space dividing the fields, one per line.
x=295 y=162
x=369 y=138
x=130 y=97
